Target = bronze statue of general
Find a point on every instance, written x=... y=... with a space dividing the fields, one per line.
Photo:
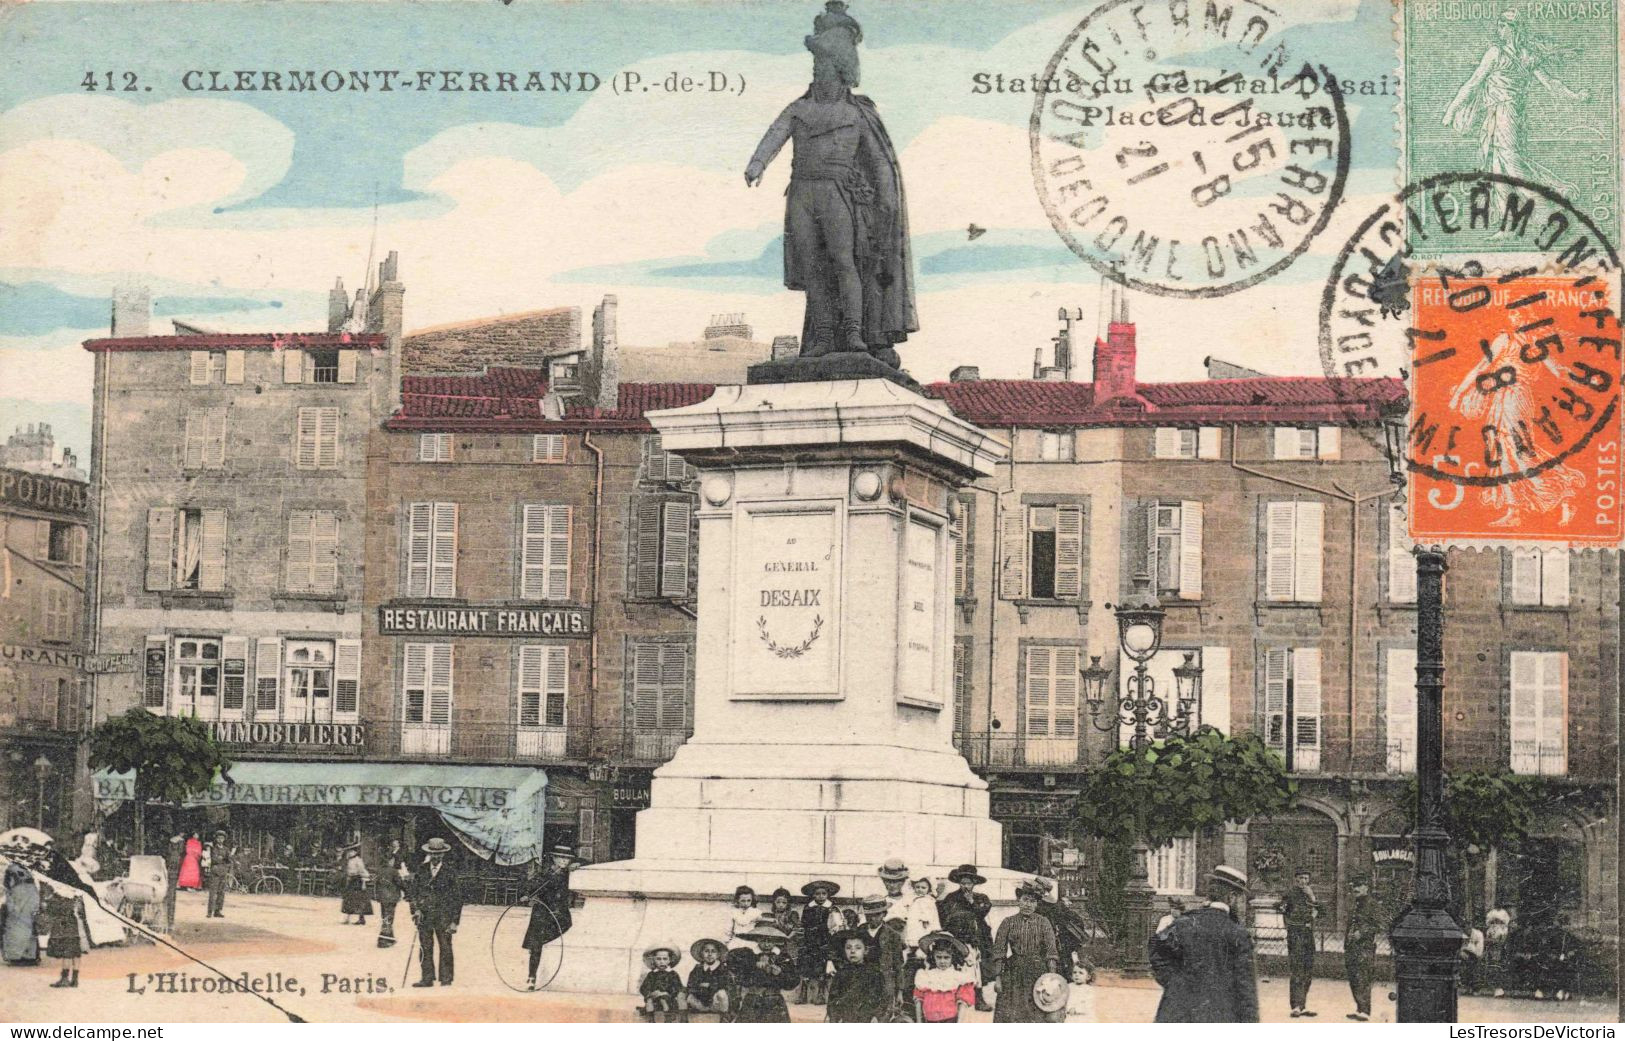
x=845 y=223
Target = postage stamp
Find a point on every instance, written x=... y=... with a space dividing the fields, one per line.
x=1525 y=88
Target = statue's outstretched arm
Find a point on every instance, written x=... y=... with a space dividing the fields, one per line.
x=772 y=141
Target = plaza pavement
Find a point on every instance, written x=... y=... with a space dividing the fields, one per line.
x=301 y=937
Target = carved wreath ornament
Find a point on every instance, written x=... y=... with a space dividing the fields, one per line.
x=790 y=652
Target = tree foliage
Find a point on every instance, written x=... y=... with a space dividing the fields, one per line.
x=1489 y=810
x=172 y=757
x=1182 y=785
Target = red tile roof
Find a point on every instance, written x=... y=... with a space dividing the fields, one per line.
x=234 y=341
x=509 y=399
x=1034 y=403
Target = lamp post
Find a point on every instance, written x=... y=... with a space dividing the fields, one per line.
x=1151 y=715
x=42 y=770
x=1426 y=938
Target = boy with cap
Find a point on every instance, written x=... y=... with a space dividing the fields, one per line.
x=857 y=991
x=1204 y=960
x=819 y=922
x=1360 y=946
x=219 y=868
x=885 y=943
x=1300 y=909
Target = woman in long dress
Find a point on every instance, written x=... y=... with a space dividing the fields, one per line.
x=191 y=876
x=1024 y=948
x=356 y=901
x=19 y=918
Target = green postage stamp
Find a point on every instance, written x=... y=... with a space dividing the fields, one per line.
x=1523 y=88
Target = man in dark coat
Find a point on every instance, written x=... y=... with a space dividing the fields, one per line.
x=1204 y=959
x=172 y=877
x=966 y=902
x=392 y=880
x=1300 y=909
x=549 y=908
x=1360 y=947
x=219 y=868
x=437 y=908
x=885 y=945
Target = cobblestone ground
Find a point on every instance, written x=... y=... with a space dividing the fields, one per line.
x=336 y=973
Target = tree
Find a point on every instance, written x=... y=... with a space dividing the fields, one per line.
x=172 y=757
x=1485 y=811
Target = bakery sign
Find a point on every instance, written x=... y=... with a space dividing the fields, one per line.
x=469 y=620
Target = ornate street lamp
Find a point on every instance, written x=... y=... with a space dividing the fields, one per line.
x=1426 y=938
x=42 y=771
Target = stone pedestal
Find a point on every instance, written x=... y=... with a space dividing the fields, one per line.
x=823 y=715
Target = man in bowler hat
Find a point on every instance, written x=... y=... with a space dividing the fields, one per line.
x=1204 y=959
x=1360 y=946
x=437 y=908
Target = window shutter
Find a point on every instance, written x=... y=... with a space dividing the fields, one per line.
x=547 y=448
x=415 y=682
x=234 y=677
x=157 y=670
x=198 y=371
x=347 y=677
x=1013 y=554
x=530 y=685
x=293 y=366
x=419 y=535
x=1400 y=710
x=961 y=525
x=1275 y=698
x=212 y=569
x=1278 y=555
x=646 y=685
x=1214 y=710
x=1064 y=692
x=1068 y=553
x=79 y=539
x=267 y=675
x=160 y=549
x=1526 y=712
x=1308 y=551
x=347 y=360
x=1554 y=717
x=1330 y=442
x=216 y=441
x=1306 y=709
x=428 y=448
x=1166 y=445
x=440 y=694
x=1207 y=443
x=1554 y=577
x=300 y=551
x=1526 y=576
x=1040 y=661
x=557 y=678
x=533 y=552
x=646 y=578
x=305 y=438
x=673 y=686
x=677 y=469
x=558 y=552
x=443 y=578
x=324 y=551
x=327 y=437
x=196 y=432
x=234 y=366
x=1401 y=564
x=1286 y=442
x=1190 y=550
x=962 y=685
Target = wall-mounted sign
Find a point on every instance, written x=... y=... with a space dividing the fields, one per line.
x=106 y=663
x=17 y=654
x=504 y=621
x=39 y=492
x=315 y=735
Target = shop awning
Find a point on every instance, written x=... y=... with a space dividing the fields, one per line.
x=496 y=811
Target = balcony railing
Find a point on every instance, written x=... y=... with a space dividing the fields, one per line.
x=996 y=750
x=490 y=743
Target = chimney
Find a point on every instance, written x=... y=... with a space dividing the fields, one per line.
x=338 y=306
x=1114 y=357
x=132 y=311
x=385 y=313
x=786 y=347
x=606 y=355
x=965 y=374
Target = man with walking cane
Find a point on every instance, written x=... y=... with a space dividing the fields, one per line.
x=437 y=908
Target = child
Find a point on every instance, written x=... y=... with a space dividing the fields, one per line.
x=857 y=991
x=963 y=926
x=942 y=988
x=819 y=922
x=921 y=917
x=662 y=989
x=1080 y=997
x=742 y=918
x=762 y=985
x=709 y=980
x=65 y=920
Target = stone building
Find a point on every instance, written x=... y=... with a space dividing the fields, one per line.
x=33 y=449
x=43 y=544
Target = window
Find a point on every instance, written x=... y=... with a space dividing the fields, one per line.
x=1540 y=717
x=60 y=614
x=1172 y=868
x=186 y=549
x=1401 y=564
x=1399 y=709
x=547 y=448
x=543 y=684
x=663 y=467
x=197 y=677
x=1292 y=548
x=544 y=553
x=962 y=683
x=1043 y=553
x=659 y=685
x=426 y=695
x=662 y=538
x=1292 y=706
x=323 y=366
x=964 y=552
x=205 y=444
x=234 y=676
x=1051 y=697
x=307 y=681
x=316 y=439
x=434 y=448
x=1055 y=445
x=204 y=365
x=267 y=676
x=313 y=551
x=64 y=542
x=1186 y=443
x=1174 y=543
x=1308 y=443
x=1540 y=577
x=431 y=549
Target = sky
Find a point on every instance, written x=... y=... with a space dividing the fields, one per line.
x=238 y=209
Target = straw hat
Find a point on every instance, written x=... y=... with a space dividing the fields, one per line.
x=894 y=870
x=821 y=883
x=697 y=949
x=1229 y=876
x=669 y=948
x=436 y=845
x=765 y=933
x=1050 y=991
x=874 y=903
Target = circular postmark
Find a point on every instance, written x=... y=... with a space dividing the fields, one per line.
x=1185 y=153
x=1511 y=358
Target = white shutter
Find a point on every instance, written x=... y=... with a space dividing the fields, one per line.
x=440 y=693
x=324 y=551
x=305 y=437
x=415 y=682
x=160 y=549
x=1278 y=555
x=267 y=676
x=1068 y=552
x=958 y=534
x=1330 y=442
x=300 y=553
x=1275 y=660
x=1554 y=716
x=530 y=685
x=198 y=371
x=558 y=552
x=196 y=432
x=646 y=685
x=674 y=538
x=673 y=686
x=347 y=679
x=556 y=690
x=646 y=550
x=212 y=567
x=347 y=360
x=443 y=556
x=419 y=547
x=1013 y=553
x=1401 y=563
x=1306 y=709
x=1399 y=710
x=1167 y=443
x=962 y=685
x=215 y=441
x=1554 y=577
x=1190 y=550
x=1307 y=551
x=79 y=539
x=1286 y=442
x=233 y=677
x=234 y=366
x=1040 y=665
x=293 y=366
x=1526 y=712
x=1064 y=692
x=327 y=437
x=547 y=448
x=1526 y=576
x=532 y=552
x=1207 y=443
x=1214 y=711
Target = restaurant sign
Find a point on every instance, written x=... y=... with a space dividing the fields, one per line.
x=319 y=735
x=121 y=787
x=504 y=621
